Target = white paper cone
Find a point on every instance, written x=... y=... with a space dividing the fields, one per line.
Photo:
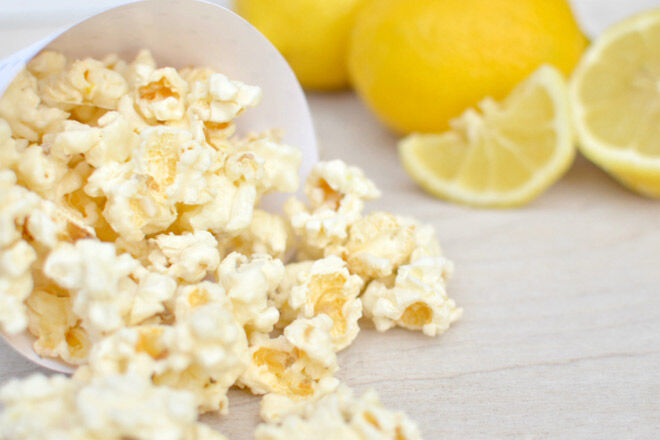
x=182 y=33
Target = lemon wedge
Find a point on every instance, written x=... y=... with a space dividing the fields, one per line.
x=504 y=155
x=615 y=100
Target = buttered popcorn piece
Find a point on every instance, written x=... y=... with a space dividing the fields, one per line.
x=336 y=194
x=161 y=94
x=248 y=282
x=378 y=244
x=283 y=161
x=109 y=291
x=418 y=300
x=95 y=274
x=341 y=415
x=203 y=352
x=112 y=408
x=83 y=82
x=56 y=328
x=327 y=287
x=11 y=149
x=28 y=117
x=189 y=256
x=267 y=234
x=169 y=167
x=216 y=98
x=16 y=256
x=293 y=364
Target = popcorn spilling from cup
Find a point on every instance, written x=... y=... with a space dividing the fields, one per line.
x=132 y=246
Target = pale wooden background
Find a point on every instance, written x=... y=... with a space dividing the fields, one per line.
x=561 y=333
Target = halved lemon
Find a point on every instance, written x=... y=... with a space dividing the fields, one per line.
x=506 y=154
x=615 y=99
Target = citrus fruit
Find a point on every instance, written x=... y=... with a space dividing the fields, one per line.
x=417 y=64
x=506 y=154
x=615 y=99
x=311 y=34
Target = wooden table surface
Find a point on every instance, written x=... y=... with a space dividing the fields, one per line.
x=561 y=332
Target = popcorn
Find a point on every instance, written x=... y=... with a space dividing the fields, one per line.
x=43 y=173
x=84 y=82
x=51 y=224
x=266 y=234
x=11 y=149
x=293 y=364
x=94 y=273
x=174 y=165
x=378 y=244
x=15 y=285
x=283 y=161
x=336 y=194
x=230 y=211
x=248 y=282
x=28 y=117
x=112 y=408
x=215 y=98
x=132 y=246
x=340 y=415
x=56 y=328
x=189 y=256
x=112 y=141
x=16 y=256
x=46 y=63
x=417 y=301
x=161 y=95
x=131 y=209
x=274 y=407
x=105 y=295
x=203 y=351
x=151 y=291
x=326 y=287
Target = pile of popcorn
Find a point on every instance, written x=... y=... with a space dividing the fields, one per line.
x=132 y=246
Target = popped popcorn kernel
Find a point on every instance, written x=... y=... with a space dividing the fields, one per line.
x=336 y=194
x=203 y=351
x=28 y=116
x=327 y=287
x=267 y=234
x=161 y=95
x=216 y=98
x=57 y=329
x=189 y=256
x=104 y=295
x=378 y=244
x=283 y=161
x=417 y=301
x=84 y=82
x=46 y=63
x=112 y=408
x=248 y=282
x=341 y=415
x=292 y=364
x=16 y=256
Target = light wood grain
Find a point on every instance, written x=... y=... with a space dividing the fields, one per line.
x=560 y=337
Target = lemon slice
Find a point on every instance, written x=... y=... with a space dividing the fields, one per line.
x=615 y=99
x=505 y=155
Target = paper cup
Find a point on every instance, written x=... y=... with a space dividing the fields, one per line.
x=181 y=33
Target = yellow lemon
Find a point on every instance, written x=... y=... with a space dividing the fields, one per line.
x=615 y=98
x=419 y=63
x=311 y=34
x=505 y=155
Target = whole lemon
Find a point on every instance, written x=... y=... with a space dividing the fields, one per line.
x=311 y=34
x=419 y=63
